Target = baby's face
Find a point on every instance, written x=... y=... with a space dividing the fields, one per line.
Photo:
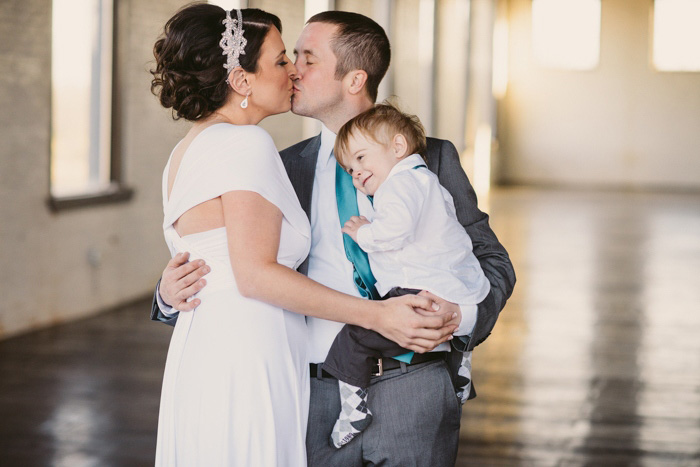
x=369 y=162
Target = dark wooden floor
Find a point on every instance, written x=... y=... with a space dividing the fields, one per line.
x=595 y=361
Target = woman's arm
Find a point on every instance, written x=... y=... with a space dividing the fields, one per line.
x=253 y=226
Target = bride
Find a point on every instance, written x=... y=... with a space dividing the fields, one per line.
x=235 y=388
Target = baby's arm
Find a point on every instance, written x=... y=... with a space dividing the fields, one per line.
x=353 y=225
x=397 y=211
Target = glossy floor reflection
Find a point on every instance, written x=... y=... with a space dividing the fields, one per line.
x=595 y=361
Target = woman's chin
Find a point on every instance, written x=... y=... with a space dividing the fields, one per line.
x=285 y=108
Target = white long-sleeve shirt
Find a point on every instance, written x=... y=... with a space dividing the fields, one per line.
x=416 y=241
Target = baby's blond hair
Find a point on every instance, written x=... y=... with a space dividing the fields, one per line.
x=381 y=123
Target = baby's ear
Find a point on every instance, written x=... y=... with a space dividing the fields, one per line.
x=399 y=146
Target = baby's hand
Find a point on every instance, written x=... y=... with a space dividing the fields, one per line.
x=353 y=225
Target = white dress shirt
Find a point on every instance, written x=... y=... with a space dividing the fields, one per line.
x=416 y=241
x=328 y=264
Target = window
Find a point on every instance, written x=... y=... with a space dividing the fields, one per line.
x=566 y=33
x=81 y=103
x=676 y=35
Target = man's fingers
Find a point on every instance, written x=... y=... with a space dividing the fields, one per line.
x=187 y=292
x=192 y=277
x=423 y=312
x=416 y=348
x=187 y=268
x=431 y=322
x=428 y=339
x=430 y=295
x=424 y=303
x=435 y=335
x=420 y=345
x=178 y=260
x=423 y=345
x=434 y=321
x=455 y=321
x=188 y=306
x=182 y=280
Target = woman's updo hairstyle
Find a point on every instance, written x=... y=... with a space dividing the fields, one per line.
x=190 y=76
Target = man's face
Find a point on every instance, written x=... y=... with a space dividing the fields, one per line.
x=316 y=90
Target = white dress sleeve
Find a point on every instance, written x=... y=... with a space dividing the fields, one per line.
x=231 y=158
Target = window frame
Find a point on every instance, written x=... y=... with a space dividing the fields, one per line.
x=117 y=191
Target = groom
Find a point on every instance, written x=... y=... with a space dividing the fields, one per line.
x=341 y=58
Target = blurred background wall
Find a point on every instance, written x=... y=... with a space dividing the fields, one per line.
x=467 y=68
x=620 y=124
x=61 y=265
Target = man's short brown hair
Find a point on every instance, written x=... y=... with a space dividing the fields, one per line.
x=360 y=44
x=381 y=123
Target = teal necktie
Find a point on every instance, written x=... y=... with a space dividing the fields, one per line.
x=346 y=197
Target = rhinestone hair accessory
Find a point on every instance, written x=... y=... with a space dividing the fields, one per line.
x=232 y=41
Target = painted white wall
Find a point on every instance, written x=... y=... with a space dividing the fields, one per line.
x=622 y=124
x=46 y=276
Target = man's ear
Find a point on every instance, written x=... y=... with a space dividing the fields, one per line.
x=399 y=146
x=355 y=81
x=239 y=81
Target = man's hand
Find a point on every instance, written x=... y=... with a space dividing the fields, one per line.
x=353 y=225
x=445 y=307
x=181 y=280
x=415 y=323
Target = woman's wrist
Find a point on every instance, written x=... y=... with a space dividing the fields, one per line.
x=372 y=313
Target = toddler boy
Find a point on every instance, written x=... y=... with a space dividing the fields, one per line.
x=414 y=243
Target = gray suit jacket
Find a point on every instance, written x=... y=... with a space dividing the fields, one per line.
x=442 y=159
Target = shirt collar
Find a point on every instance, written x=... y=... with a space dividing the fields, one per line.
x=327 y=142
x=407 y=163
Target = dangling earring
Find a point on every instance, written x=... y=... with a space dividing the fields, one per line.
x=244 y=102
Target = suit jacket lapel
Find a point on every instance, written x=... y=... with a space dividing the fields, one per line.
x=301 y=168
x=300 y=163
x=432 y=154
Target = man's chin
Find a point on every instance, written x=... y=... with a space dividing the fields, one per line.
x=298 y=108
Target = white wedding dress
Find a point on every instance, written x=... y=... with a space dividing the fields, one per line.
x=236 y=382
